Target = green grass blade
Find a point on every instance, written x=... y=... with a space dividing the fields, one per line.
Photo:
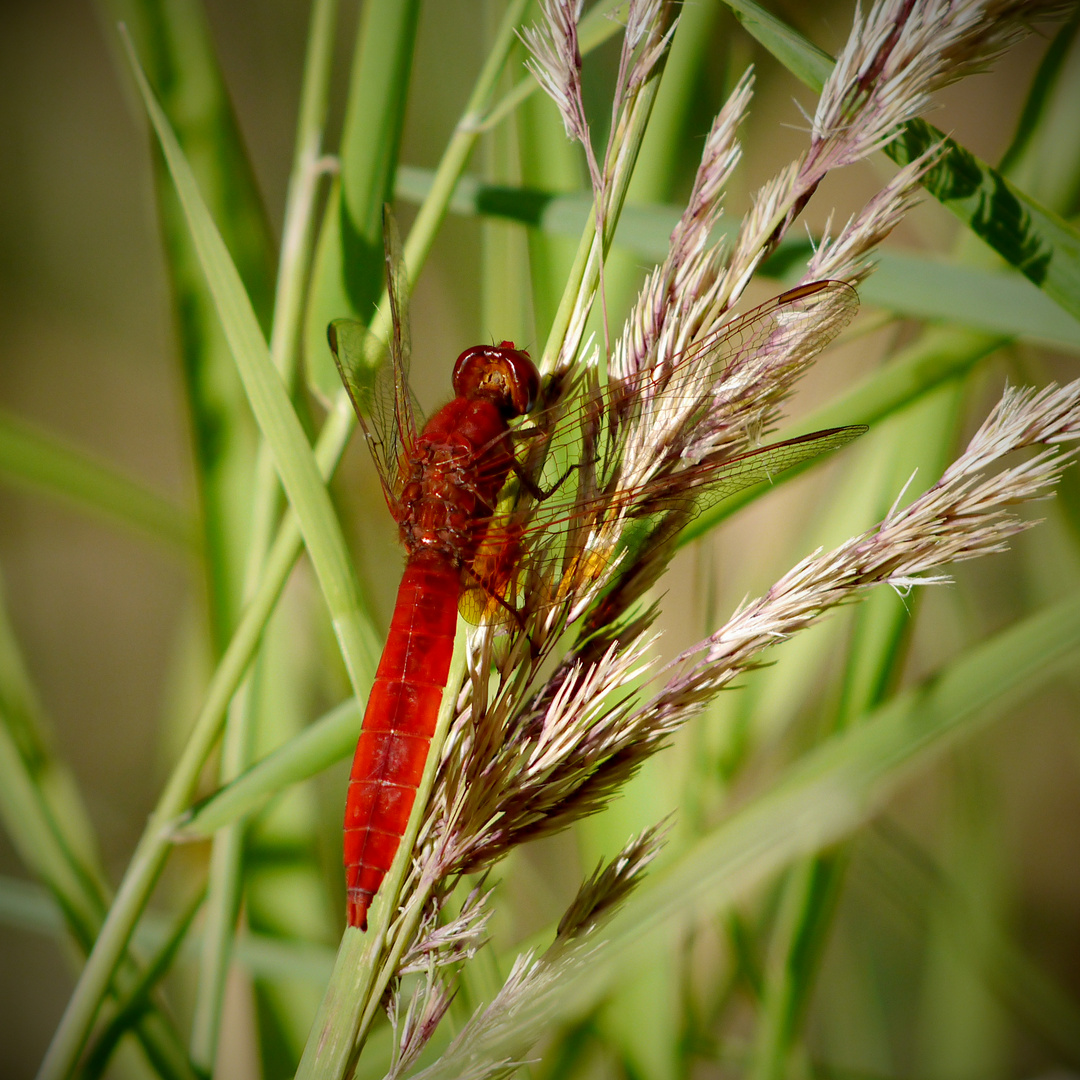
x=225 y=883
x=277 y=420
x=136 y=1001
x=1041 y=245
x=309 y=499
x=39 y=462
x=30 y=907
x=808 y=63
x=322 y=743
x=347 y=278
x=48 y=844
x=824 y=797
x=181 y=63
x=1039 y=95
x=918 y=287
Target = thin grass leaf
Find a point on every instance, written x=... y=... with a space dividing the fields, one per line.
x=921 y=287
x=322 y=743
x=176 y=44
x=905 y=282
x=1040 y=95
x=30 y=907
x=225 y=884
x=307 y=493
x=293 y=457
x=824 y=797
x=48 y=824
x=39 y=462
x=136 y=1002
x=802 y=58
x=36 y=835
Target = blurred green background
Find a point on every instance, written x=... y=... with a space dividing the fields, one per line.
x=114 y=626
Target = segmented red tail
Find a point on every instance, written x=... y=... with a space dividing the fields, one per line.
x=399 y=721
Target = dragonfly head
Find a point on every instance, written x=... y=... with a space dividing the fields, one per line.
x=500 y=373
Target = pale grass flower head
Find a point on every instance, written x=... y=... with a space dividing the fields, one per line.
x=546 y=732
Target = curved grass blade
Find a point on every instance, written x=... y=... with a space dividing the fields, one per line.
x=905 y=282
x=40 y=462
x=308 y=497
x=246 y=718
x=182 y=65
x=136 y=1001
x=347 y=276
x=280 y=426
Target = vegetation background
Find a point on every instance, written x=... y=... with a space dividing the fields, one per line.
x=118 y=635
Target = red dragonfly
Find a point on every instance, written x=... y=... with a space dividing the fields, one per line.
x=442 y=481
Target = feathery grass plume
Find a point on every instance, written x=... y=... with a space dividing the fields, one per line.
x=894 y=60
x=597 y=899
x=556 y=63
x=609 y=885
x=964 y=515
x=691 y=389
x=427 y=1007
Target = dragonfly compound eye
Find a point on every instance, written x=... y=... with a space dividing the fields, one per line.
x=500 y=372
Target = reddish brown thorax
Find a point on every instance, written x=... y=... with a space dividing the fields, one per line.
x=462 y=457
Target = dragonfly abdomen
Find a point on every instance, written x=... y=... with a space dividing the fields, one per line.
x=399 y=722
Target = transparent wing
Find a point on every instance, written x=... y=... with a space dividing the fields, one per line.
x=382 y=398
x=692 y=410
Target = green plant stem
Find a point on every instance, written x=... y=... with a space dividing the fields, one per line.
x=135 y=1002
x=226 y=865
x=367 y=961
x=579 y=294
x=38 y=836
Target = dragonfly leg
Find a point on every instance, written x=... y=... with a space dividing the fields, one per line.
x=534 y=489
x=485 y=585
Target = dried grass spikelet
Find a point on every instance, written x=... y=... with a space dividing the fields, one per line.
x=533 y=749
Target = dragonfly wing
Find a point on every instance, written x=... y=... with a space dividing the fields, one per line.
x=397 y=285
x=706 y=484
x=786 y=331
x=381 y=396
